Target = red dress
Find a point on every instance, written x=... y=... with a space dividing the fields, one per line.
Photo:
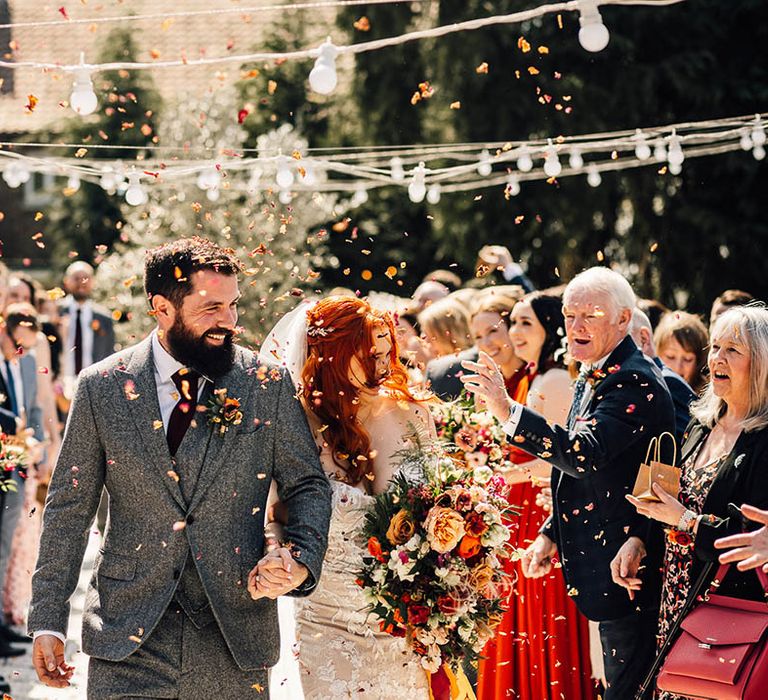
x=541 y=647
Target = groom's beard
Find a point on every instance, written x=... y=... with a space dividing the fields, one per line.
x=193 y=351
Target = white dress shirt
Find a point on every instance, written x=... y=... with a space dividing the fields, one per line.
x=166 y=365
x=86 y=322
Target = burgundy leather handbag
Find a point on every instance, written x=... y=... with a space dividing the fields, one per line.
x=722 y=650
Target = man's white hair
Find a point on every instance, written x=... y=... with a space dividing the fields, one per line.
x=603 y=281
x=639 y=321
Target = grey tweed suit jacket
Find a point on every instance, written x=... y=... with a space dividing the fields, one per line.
x=115 y=438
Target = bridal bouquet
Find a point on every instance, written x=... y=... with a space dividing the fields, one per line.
x=477 y=434
x=13 y=456
x=436 y=547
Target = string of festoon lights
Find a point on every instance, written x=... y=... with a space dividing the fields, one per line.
x=423 y=171
x=593 y=36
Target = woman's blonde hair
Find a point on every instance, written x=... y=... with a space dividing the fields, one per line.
x=750 y=325
x=448 y=320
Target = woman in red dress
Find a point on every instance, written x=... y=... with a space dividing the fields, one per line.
x=541 y=647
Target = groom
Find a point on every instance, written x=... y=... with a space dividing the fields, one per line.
x=186 y=431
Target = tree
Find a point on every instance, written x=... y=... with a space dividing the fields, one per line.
x=88 y=220
x=281 y=245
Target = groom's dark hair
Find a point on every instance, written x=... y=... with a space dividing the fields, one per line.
x=168 y=268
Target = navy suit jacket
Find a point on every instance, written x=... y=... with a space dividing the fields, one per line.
x=594 y=468
x=682 y=395
x=7 y=422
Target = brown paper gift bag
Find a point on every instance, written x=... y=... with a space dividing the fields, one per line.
x=653 y=471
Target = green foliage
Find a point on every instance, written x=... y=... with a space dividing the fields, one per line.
x=89 y=220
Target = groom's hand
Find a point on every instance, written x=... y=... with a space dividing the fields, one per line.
x=276 y=574
x=48 y=660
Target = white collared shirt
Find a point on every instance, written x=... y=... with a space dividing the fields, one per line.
x=166 y=365
x=86 y=323
x=510 y=426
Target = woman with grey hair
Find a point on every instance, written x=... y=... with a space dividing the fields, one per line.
x=724 y=460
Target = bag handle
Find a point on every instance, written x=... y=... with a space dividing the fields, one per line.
x=723 y=570
x=653 y=445
x=674 y=448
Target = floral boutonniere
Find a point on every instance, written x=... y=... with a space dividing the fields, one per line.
x=224 y=411
x=597 y=374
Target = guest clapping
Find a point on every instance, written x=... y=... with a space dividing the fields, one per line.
x=723 y=461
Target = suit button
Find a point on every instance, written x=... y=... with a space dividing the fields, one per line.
x=190 y=519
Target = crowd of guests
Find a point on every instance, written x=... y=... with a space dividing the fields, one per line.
x=46 y=339
x=581 y=377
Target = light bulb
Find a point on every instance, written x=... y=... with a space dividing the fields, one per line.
x=73 y=183
x=675 y=154
x=758 y=152
x=284 y=177
x=12 y=175
x=433 y=194
x=359 y=197
x=593 y=34
x=524 y=162
x=485 y=167
x=209 y=179
x=285 y=197
x=642 y=149
x=575 y=160
x=758 y=132
x=513 y=186
x=745 y=141
x=659 y=151
x=417 y=189
x=108 y=180
x=83 y=99
x=322 y=78
x=135 y=195
x=675 y=168
x=253 y=180
x=213 y=194
x=593 y=176
x=309 y=178
x=552 y=167
x=396 y=170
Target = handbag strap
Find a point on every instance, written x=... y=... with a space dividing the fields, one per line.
x=674 y=447
x=653 y=446
x=723 y=570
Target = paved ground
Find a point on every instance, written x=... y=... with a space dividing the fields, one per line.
x=19 y=672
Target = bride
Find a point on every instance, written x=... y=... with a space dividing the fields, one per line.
x=342 y=354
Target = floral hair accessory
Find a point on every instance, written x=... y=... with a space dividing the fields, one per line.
x=224 y=411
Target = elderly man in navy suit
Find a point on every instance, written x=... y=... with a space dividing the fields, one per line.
x=620 y=402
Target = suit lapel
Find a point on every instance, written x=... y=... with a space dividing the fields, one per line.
x=139 y=390
x=238 y=384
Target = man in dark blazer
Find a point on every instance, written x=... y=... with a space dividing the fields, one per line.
x=681 y=392
x=444 y=374
x=620 y=402
x=186 y=430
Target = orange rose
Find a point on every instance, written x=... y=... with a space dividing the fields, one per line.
x=401 y=528
x=445 y=528
x=469 y=547
x=480 y=577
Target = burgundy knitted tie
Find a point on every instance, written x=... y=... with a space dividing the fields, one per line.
x=184 y=410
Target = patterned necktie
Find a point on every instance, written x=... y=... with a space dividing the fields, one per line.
x=184 y=410
x=10 y=384
x=578 y=396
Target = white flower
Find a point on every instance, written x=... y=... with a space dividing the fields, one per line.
x=476 y=460
x=403 y=568
x=495 y=536
x=431 y=663
x=379 y=575
x=483 y=474
x=414 y=543
x=448 y=576
x=465 y=631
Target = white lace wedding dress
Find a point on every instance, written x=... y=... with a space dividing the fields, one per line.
x=342 y=653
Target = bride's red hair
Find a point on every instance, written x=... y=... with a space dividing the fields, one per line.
x=339 y=329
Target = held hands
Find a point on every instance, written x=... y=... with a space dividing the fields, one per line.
x=537 y=559
x=626 y=564
x=667 y=511
x=276 y=574
x=487 y=383
x=48 y=660
x=750 y=548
